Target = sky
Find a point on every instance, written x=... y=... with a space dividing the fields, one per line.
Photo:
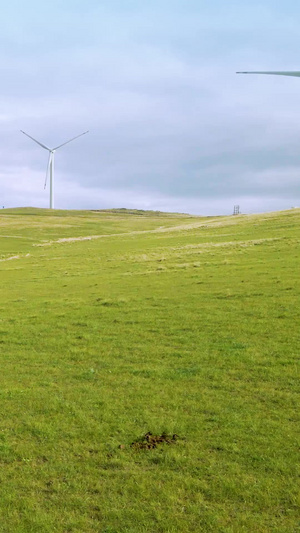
x=172 y=127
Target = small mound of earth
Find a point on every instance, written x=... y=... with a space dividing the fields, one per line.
x=150 y=442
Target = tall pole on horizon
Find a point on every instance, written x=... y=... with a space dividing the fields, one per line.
x=50 y=165
x=51 y=181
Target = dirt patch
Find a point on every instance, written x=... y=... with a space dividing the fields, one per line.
x=150 y=442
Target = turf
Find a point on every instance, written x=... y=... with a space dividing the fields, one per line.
x=114 y=324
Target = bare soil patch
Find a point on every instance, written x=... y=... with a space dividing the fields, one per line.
x=150 y=442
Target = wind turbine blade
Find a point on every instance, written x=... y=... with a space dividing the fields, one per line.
x=275 y=72
x=42 y=145
x=70 y=140
x=48 y=168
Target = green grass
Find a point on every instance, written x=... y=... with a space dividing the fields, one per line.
x=159 y=322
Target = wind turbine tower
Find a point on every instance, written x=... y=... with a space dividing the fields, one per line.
x=50 y=165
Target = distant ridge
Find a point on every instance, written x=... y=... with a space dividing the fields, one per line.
x=42 y=211
x=139 y=212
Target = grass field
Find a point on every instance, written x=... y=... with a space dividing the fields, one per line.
x=114 y=324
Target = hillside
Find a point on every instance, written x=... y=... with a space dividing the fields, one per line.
x=117 y=324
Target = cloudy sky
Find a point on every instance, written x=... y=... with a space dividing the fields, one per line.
x=171 y=126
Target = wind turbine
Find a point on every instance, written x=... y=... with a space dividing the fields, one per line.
x=275 y=72
x=50 y=165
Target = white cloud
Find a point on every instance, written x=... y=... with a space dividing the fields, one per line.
x=171 y=125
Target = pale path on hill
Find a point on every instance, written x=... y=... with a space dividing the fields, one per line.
x=10 y=258
x=13 y=257
x=182 y=227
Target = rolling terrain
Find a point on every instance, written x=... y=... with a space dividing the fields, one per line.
x=114 y=324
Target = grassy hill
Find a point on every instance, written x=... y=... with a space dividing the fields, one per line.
x=116 y=324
